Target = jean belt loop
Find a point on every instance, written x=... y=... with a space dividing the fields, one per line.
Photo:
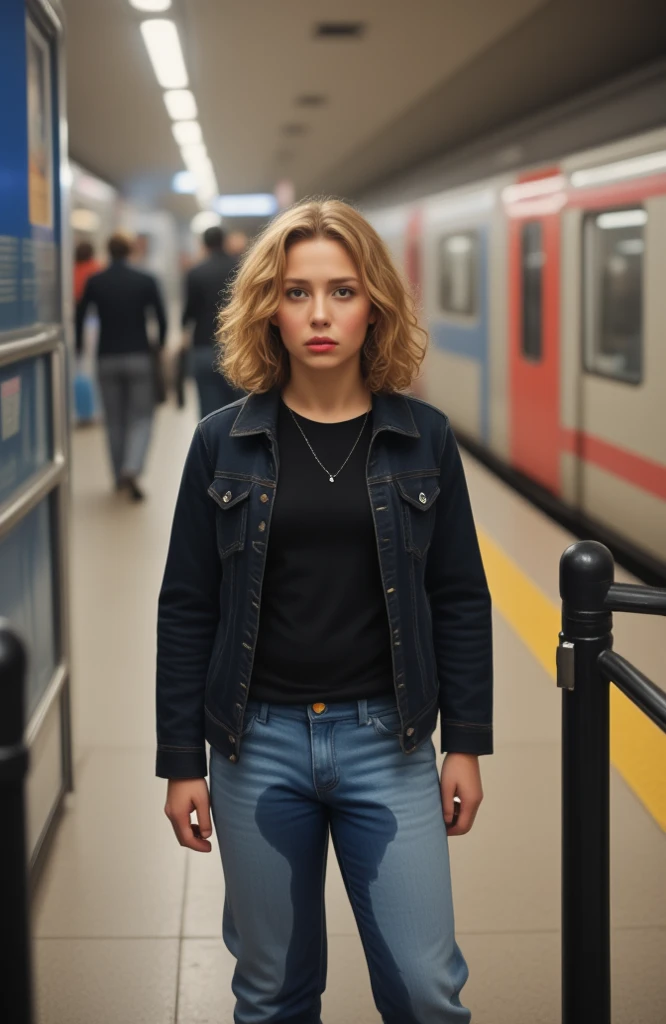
x=263 y=713
x=363 y=712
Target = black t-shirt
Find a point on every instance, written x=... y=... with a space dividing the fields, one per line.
x=323 y=629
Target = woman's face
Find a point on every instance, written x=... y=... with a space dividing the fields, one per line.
x=324 y=311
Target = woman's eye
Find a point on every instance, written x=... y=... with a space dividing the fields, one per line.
x=295 y=293
x=347 y=293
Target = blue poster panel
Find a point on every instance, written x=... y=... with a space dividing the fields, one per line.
x=27 y=595
x=29 y=272
x=26 y=436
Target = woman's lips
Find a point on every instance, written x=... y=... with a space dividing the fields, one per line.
x=321 y=345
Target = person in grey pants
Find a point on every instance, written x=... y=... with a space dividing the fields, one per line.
x=124 y=299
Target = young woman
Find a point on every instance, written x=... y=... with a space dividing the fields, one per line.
x=323 y=601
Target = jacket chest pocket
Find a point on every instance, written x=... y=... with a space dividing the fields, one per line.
x=232 y=498
x=418 y=496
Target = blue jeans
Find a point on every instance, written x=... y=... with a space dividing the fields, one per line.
x=302 y=774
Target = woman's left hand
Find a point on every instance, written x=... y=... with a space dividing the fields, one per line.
x=461 y=777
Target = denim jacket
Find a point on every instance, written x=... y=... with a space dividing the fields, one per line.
x=437 y=599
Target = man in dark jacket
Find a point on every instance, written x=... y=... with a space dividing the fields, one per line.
x=206 y=292
x=124 y=299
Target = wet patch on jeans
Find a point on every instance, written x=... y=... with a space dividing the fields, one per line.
x=299 y=1000
x=391 y=995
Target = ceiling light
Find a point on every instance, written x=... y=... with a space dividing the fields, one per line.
x=263 y=204
x=181 y=105
x=151 y=6
x=632 y=168
x=186 y=132
x=195 y=156
x=184 y=183
x=204 y=220
x=163 y=45
x=622 y=219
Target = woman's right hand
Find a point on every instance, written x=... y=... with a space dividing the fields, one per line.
x=183 y=797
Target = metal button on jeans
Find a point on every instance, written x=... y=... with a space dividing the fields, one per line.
x=318 y=708
x=262 y=527
x=233 y=758
x=422 y=498
x=263 y=498
x=227 y=497
x=410 y=732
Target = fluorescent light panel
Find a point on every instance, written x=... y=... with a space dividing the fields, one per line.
x=184 y=183
x=181 y=105
x=651 y=163
x=186 y=132
x=622 y=219
x=201 y=221
x=195 y=156
x=163 y=45
x=151 y=6
x=260 y=204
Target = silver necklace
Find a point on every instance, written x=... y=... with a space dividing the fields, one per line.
x=331 y=476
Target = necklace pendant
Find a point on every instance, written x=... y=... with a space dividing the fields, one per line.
x=332 y=479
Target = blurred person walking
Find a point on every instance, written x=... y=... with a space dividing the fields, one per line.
x=125 y=298
x=324 y=601
x=85 y=265
x=205 y=294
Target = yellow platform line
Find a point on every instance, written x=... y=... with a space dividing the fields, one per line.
x=638 y=747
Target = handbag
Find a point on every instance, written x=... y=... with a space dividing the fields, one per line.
x=159 y=382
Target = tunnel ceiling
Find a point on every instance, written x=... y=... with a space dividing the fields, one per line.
x=421 y=77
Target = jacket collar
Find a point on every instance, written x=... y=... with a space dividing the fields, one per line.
x=259 y=412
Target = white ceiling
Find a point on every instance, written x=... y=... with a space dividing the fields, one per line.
x=248 y=62
x=425 y=74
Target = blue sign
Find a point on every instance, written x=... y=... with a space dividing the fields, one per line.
x=28 y=183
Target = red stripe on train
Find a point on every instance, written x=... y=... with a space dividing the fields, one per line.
x=634 y=469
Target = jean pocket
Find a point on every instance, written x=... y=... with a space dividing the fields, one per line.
x=387 y=723
x=231 y=496
x=248 y=723
x=418 y=497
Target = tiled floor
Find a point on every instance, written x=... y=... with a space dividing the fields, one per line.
x=127 y=923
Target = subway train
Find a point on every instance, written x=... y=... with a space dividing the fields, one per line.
x=544 y=293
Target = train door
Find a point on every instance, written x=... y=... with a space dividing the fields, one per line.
x=534 y=262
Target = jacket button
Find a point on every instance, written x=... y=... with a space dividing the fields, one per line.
x=232 y=739
x=410 y=732
x=234 y=758
x=262 y=527
x=227 y=497
x=264 y=498
x=422 y=498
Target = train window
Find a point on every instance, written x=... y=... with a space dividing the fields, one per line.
x=614 y=247
x=533 y=259
x=458 y=273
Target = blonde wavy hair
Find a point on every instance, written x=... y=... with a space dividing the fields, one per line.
x=252 y=356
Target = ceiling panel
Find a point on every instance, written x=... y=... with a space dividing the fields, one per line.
x=424 y=76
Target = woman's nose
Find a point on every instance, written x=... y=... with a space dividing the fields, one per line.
x=320 y=313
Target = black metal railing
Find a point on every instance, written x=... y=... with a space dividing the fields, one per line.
x=586 y=664
x=15 y=976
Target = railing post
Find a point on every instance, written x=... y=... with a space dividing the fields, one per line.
x=15 y=983
x=586 y=573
